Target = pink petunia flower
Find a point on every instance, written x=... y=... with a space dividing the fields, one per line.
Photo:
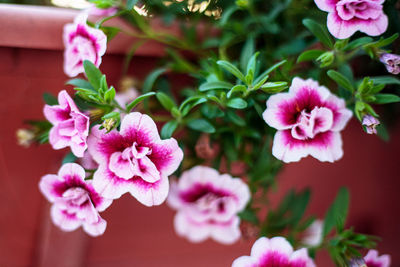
x=392 y=62
x=207 y=205
x=348 y=16
x=275 y=252
x=75 y=202
x=70 y=126
x=309 y=120
x=82 y=43
x=372 y=259
x=134 y=160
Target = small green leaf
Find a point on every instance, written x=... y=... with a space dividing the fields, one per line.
x=93 y=74
x=319 y=31
x=247 y=52
x=337 y=213
x=49 y=99
x=236 y=119
x=137 y=100
x=236 y=88
x=201 y=125
x=386 y=41
x=274 y=87
x=151 y=78
x=386 y=98
x=268 y=71
x=237 y=103
x=168 y=129
x=215 y=85
x=165 y=101
x=309 y=55
x=231 y=69
x=191 y=105
x=81 y=83
x=357 y=43
x=111 y=115
x=341 y=80
x=251 y=65
x=69 y=158
x=109 y=95
x=385 y=80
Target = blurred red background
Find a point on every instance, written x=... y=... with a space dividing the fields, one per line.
x=141 y=236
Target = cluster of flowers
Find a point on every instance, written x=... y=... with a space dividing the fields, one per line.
x=308 y=119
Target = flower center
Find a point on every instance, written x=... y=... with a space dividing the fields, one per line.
x=311 y=123
x=76 y=196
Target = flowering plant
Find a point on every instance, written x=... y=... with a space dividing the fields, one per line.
x=255 y=102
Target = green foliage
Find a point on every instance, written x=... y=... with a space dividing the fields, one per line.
x=337 y=213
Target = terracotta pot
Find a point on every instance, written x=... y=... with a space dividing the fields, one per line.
x=31 y=63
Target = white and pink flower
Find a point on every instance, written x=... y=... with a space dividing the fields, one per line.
x=313 y=234
x=70 y=126
x=348 y=16
x=82 y=43
x=134 y=160
x=309 y=120
x=372 y=259
x=207 y=204
x=276 y=252
x=75 y=202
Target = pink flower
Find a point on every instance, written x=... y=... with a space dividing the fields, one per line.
x=392 y=62
x=75 y=202
x=87 y=161
x=276 y=252
x=372 y=259
x=71 y=127
x=82 y=43
x=313 y=234
x=134 y=160
x=207 y=205
x=348 y=16
x=370 y=123
x=309 y=120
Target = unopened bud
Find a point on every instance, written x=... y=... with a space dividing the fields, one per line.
x=326 y=59
x=25 y=137
x=95 y=114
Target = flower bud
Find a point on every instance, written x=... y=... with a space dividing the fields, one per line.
x=370 y=123
x=25 y=137
x=392 y=62
x=326 y=59
x=95 y=114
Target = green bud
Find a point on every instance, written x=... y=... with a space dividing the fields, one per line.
x=326 y=59
x=109 y=124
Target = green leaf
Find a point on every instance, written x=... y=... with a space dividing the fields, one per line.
x=337 y=213
x=268 y=71
x=69 y=158
x=251 y=66
x=386 y=98
x=341 y=80
x=201 y=125
x=357 y=43
x=231 y=69
x=319 y=31
x=191 y=105
x=130 y=4
x=236 y=119
x=137 y=100
x=151 y=78
x=165 y=101
x=111 y=115
x=81 y=83
x=237 y=103
x=247 y=52
x=309 y=55
x=109 y=95
x=168 y=129
x=93 y=74
x=49 y=99
x=386 y=41
x=274 y=87
x=215 y=85
x=249 y=215
x=385 y=80
x=236 y=88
